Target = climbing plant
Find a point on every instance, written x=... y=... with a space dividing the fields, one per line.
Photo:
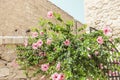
x=56 y=52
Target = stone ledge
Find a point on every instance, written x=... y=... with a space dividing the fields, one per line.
x=12 y=39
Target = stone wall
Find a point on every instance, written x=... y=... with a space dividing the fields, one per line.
x=99 y=13
x=17 y=16
x=7 y=71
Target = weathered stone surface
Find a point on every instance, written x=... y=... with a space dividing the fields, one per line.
x=19 y=16
x=4 y=72
x=2 y=63
x=99 y=13
x=20 y=74
x=7 y=56
x=8 y=53
x=2 y=49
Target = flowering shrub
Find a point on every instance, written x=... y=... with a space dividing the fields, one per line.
x=57 y=52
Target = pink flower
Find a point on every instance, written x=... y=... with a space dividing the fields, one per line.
x=107 y=31
x=14 y=63
x=39 y=43
x=45 y=67
x=34 y=46
x=100 y=40
x=49 y=41
x=25 y=43
x=55 y=76
x=58 y=66
x=34 y=34
x=50 y=14
x=67 y=42
x=41 y=33
x=61 y=76
x=42 y=54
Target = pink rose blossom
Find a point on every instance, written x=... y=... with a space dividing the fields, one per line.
x=61 y=76
x=34 y=46
x=14 y=63
x=107 y=31
x=49 y=41
x=58 y=66
x=100 y=40
x=50 y=14
x=45 y=67
x=25 y=43
x=39 y=43
x=55 y=76
x=34 y=34
x=67 y=42
x=41 y=33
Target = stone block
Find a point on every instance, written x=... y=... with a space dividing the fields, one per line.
x=4 y=72
x=2 y=63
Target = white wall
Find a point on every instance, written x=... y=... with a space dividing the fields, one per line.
x=99 y=13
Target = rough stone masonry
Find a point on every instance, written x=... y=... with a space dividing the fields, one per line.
x=99 y=13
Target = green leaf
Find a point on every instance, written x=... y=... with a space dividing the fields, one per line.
x=70 y=23
x=58 y=16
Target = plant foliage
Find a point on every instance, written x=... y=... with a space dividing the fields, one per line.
x=80 y=56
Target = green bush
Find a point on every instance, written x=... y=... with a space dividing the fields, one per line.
x=57 y=49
